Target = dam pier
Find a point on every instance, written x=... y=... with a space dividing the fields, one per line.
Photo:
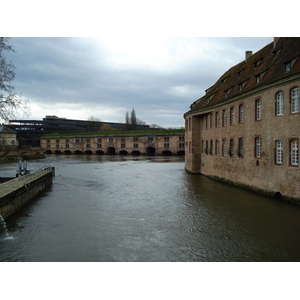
x=17 y=192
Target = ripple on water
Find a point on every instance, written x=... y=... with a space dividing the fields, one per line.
x=107 y=209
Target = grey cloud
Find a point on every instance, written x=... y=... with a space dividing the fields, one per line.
x=80 y=71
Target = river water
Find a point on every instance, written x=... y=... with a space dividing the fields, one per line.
x=145 y=209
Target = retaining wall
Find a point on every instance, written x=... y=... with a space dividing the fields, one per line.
x=16 y=193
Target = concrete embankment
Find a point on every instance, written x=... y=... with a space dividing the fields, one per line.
x=16 y=193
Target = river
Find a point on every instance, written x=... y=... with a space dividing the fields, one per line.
x=145 y=209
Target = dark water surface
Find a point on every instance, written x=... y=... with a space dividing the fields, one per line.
x=113 y=208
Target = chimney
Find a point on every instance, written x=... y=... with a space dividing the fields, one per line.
x=276 y=39
x=247 y=55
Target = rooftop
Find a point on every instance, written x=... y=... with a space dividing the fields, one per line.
x=278 y=60
x=4 y=129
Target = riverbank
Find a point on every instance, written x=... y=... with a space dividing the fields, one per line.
x=21 y=154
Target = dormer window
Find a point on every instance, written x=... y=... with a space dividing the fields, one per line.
x=257 y=63
x=209 y=98
x=287 y=66
x=242 y=85
x=224 y=80
x=257 y=78
x=226 y=93
x=260 y=76
x=276 y=52
x=240 y=73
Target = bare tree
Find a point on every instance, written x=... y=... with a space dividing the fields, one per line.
x=133 y=119
x=140 y=122
x=94 y=124
x=11 y=104
x=156 y=126
x=93 y=119
x=127 y=121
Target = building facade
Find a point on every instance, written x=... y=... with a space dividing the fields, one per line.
x=8 y=138
x=246 y=129
x=151 y=144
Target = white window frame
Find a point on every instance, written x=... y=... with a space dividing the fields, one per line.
x=279 y=104
x=224 y=117
x=241 y=147
x=232 y=116
x=288 y=66
x=217 y=150
x=217 y=119
x=257 y=147
x=258 y=109
x=241 y=113
x=294 y=101
x=231 y=147
x=294 y=144
x=224 y=147
x=279 y=152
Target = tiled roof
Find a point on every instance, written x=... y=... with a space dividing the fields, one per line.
x=4 y=129
x=267 y=63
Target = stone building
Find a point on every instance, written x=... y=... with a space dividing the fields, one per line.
x=8 y=138
x=246 y=128
x=164 y=143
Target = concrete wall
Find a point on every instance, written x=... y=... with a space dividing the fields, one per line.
x=20 y=196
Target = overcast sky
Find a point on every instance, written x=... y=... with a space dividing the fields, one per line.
x=77 y=78
x=132 y=66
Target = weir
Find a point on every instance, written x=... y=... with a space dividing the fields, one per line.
x=16 y=193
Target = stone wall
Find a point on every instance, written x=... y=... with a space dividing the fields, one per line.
x=130 y=144
x=259 y=173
